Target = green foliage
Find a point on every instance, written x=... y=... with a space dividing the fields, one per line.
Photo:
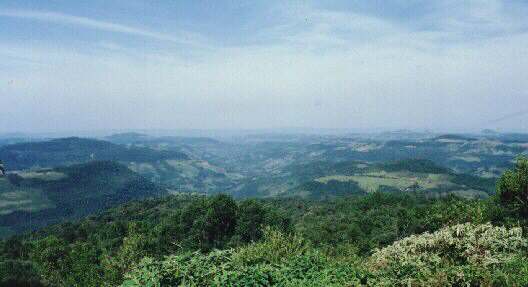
x=273 y=250
x=512 y=187
x=279 y=260
x=49 y=255
x=217 y=241
x=250 y=221
x=452 y=210
x=475 y=182
x=209 y=223
x=220 y=222
x=99 y=250
x=14 y=273
x=460 y=255
x=379 y=219
x=331 y=189
x=414 y=165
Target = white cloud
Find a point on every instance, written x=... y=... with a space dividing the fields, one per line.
x=181 y=37
x=339 y=70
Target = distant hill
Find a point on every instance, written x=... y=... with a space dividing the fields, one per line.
x=512 y=137
x=34 y=199
x=325 y=180
x=127 y=138
x=14 y=140
x=138 y=138
x=484 y=157
x=413 y=165
x=454 y=137
x=187 y=140
x=73 y=150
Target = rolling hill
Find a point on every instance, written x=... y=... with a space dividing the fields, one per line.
x=66 y=151
x=323 y=180
x=32 y=199
x=309 y=167
x=160 y=160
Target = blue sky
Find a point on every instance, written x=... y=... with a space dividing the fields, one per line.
x=91 y=65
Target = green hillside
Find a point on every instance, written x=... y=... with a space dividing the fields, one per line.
x=190 y=175
x=34 y=199
x=333 y=213
x=73 y=150
x=324 y=180
x=264 y=166
x=216 y=241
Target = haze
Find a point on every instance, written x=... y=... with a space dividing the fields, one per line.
x=93 y=65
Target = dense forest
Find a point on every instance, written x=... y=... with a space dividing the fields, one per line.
x=374 y=239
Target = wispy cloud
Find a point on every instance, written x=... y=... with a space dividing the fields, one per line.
x=468 y=20
x=451 y=67
x=181 y=37
x=444 y=23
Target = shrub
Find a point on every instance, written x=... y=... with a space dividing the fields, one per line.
x=512 y=187
x=280 y=260
x=462 y=255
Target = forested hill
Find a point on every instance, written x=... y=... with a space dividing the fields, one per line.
x=34 y=199
x=65 y=151
x=138 y=138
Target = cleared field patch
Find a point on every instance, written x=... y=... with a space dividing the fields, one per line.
x=371 y=182
x=142 y=168
x=467 y=158
x=13 y=198
x=47 y=175
x=184 y=167
x=470 y=193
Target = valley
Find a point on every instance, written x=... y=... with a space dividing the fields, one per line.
x=76 y=211
x=48 y=177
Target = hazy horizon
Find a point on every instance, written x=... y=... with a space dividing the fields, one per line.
x=133 y=65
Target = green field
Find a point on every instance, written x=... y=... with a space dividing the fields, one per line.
x=371 y=182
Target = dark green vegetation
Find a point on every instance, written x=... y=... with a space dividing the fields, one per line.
x=330 y=211
x=512 y=188
x=291 y=242
x=101 y=249
x=35 y=199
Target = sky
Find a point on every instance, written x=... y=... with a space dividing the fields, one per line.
x=445 y=65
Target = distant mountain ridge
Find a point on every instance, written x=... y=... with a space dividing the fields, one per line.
x=74 y=150
x=138 y=138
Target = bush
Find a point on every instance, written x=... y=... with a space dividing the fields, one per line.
x=461 y=255
x=280 y=260
x=512 y=187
